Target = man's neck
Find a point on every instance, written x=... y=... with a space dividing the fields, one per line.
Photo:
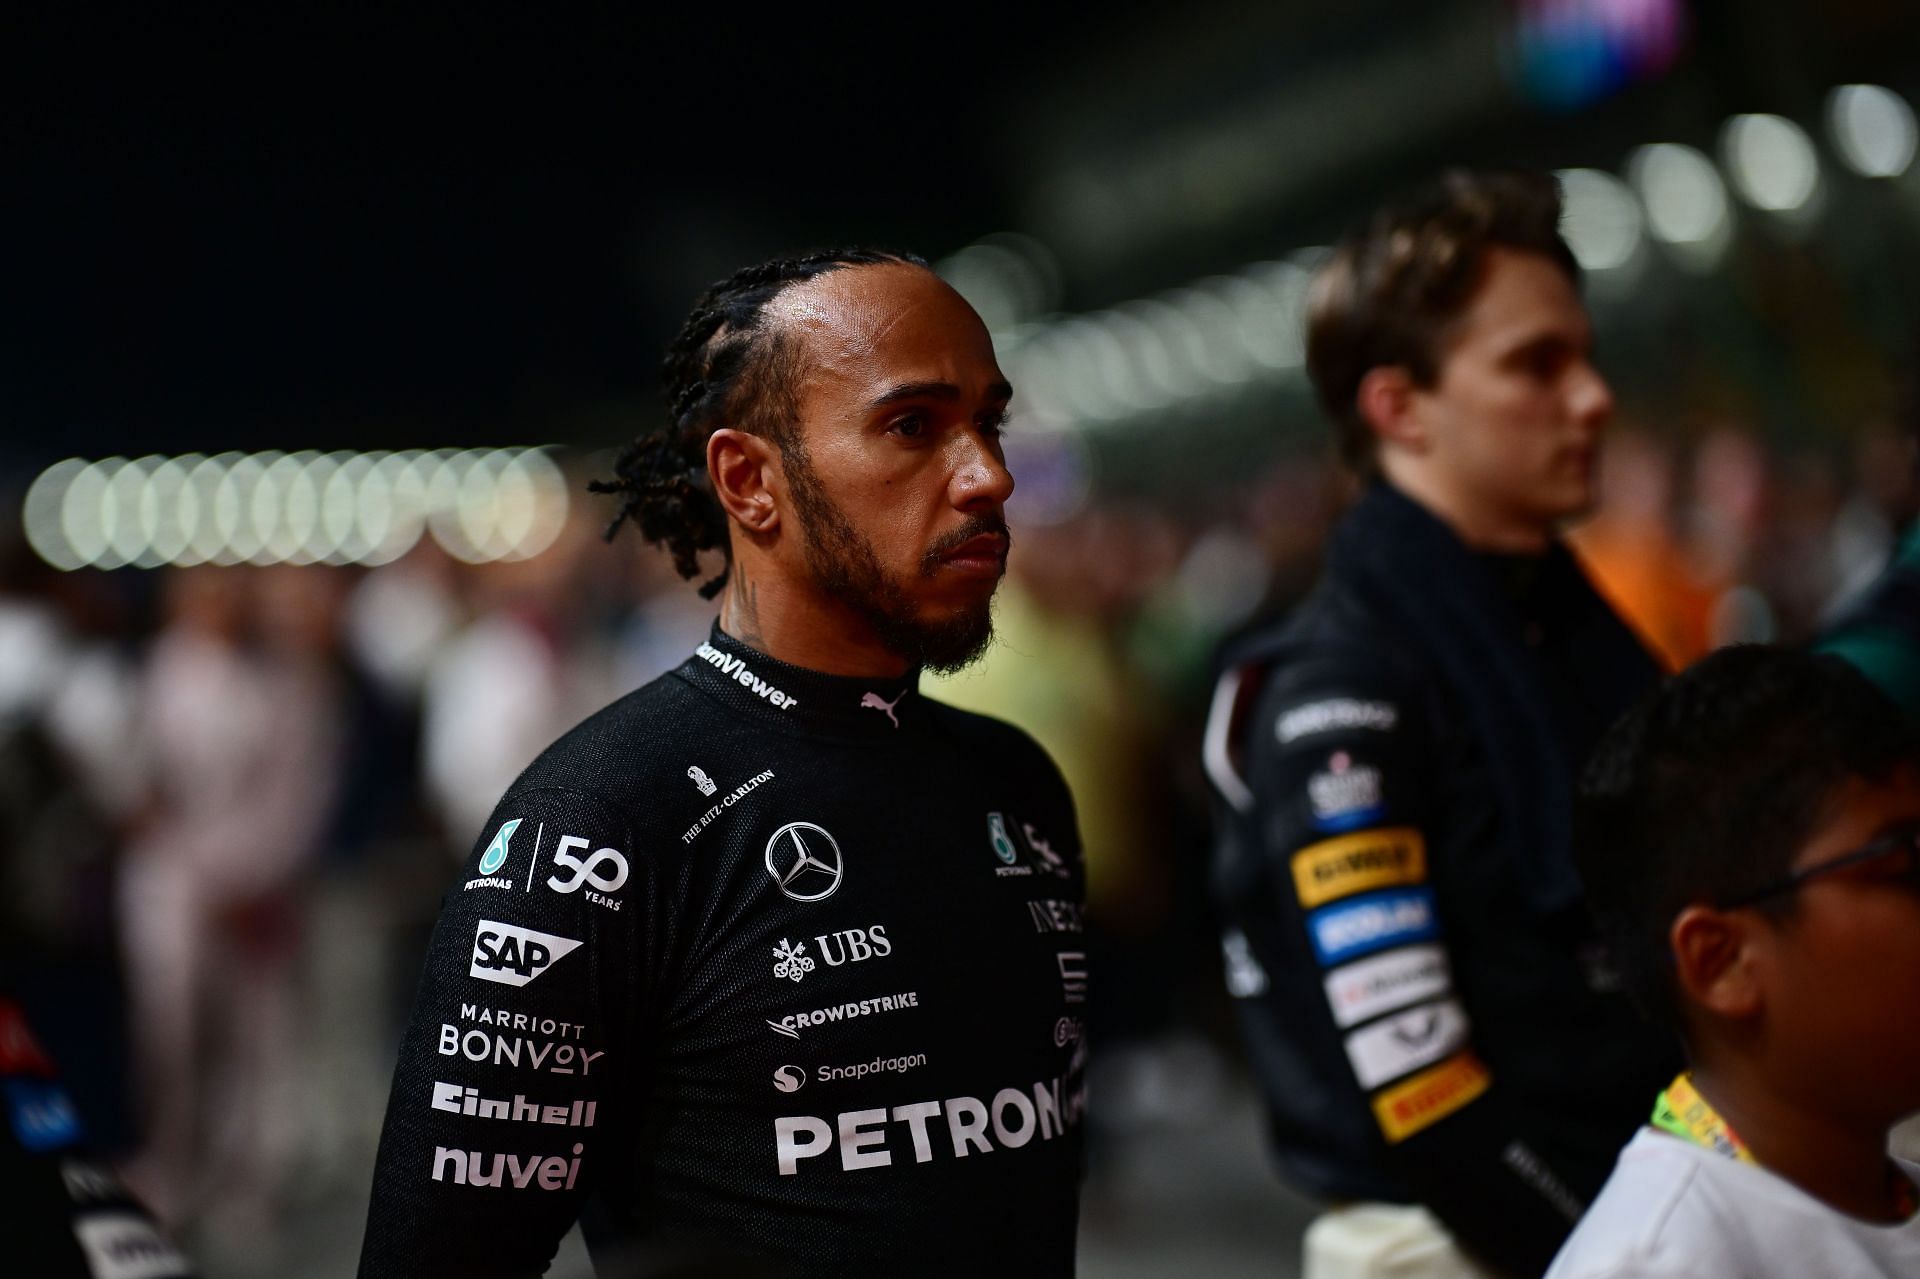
x=1474 y=523
x=1840 y=1162
x=765 y=610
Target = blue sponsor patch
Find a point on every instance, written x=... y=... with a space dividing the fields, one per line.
x=42 y=1115
x=1358 y=819
x=1374 y=921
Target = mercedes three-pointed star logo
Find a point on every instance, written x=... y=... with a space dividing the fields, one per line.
x=804 y=861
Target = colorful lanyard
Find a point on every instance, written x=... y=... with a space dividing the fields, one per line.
x=1682 y=1111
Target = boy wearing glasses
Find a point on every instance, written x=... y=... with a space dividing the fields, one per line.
x=1748 y=837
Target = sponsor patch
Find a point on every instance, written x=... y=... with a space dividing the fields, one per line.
x=514 y=956
x=861 y=1070
x=1334 y=715
x=1054 y=915
x=737 y=670
x=1246 y=979
x=496 y=855
x=1419 y=1036
x=698 y=776
x=923 y=1130
x=42 y=1115
x=789 y=1079
x=1073 y=975
x=1346 y=796
x=734 y=796
x=805 y=861
x=457 y=1099
x=513 y=1172
x=1349 y=929
x=606 y=870
x=125 y=1245
x=20 y=1052
x=791 y=961
x=1368 y=987
x=1430 y=1096
x=1001 y=841
x=1354 y=863
x=793 y=1023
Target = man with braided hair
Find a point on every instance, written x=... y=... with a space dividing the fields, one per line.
x=763 y=965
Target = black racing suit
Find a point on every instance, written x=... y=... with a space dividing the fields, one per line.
x=1403 y=929
x=755 y=963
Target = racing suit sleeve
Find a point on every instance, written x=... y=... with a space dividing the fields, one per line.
x=1341 y=769
x=512 y=1096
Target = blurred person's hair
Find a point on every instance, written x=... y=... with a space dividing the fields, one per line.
x=1708 y=789
x=1392 y=289
x=728 y=366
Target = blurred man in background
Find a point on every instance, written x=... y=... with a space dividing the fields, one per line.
x=773 y=958
x=1443 y=1051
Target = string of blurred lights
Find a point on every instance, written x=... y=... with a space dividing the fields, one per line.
x=1092 y=371
x=480 y=505
x=1102 y=369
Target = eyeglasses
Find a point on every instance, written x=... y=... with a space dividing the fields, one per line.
x=1904 y=841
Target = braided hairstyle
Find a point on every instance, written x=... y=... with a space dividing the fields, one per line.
x=727 y=366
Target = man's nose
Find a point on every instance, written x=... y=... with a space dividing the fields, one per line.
x=981 y=479
x=1592 y=398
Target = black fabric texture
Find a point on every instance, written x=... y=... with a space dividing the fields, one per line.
x=845 y=916
x=1408 y=741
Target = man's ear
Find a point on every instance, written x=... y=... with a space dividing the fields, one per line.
x=744 y=470
x=1388 y=404
x=1714 y=960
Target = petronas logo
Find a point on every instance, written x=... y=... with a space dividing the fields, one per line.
x=496 y=855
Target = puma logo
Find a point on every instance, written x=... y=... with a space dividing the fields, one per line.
x=881 y=704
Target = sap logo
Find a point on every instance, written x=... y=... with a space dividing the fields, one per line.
x=515 y=956
x=556 y=1172
x=1068 y=1030
x=125 y=1245
x=1012 y=1119
x=735 y=669
x=496 y=855
x=606 y=870
x=787 y=1079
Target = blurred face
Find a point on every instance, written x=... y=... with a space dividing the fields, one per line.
x=897 y=480
x=1841 y=970
x=1513 y=420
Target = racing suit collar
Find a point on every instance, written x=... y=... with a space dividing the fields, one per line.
x=744 y=677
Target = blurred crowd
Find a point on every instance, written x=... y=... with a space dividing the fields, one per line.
x=233 y=795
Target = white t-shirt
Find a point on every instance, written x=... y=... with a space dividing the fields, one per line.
x=1674 y=1210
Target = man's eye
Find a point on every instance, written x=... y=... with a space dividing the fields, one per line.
x=912 y=426
x=995 y=426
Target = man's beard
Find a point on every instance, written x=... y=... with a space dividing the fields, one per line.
x=844 y=564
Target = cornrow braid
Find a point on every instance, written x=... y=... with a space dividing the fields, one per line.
x=726 y=365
